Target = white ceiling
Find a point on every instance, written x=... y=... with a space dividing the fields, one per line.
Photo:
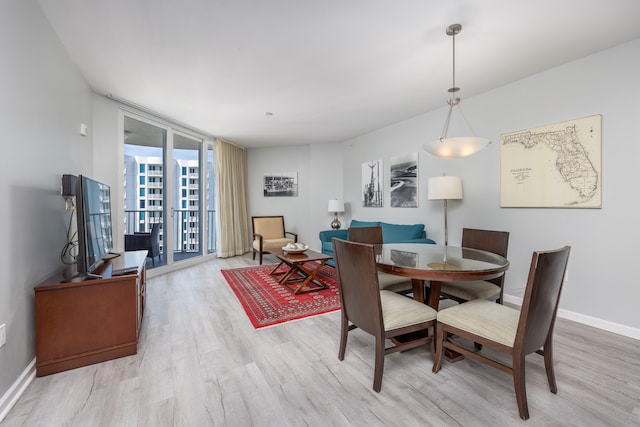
x=328 y=70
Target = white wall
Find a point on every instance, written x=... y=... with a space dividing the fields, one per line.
x=602 y=281
x=319 y=170
x=45 y=100
x=108 y=155
x=602 y=288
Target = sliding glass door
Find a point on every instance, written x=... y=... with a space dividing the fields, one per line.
x=185 y=209
x=211 y=201
x=144 y=148
x=164 y=172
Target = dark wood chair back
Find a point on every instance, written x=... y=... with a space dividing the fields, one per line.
x=358 y=284
x=486 y=240
x=369 y=235
x=362 y=306
x=533 y=333
x=496 y=242
x=541 y=298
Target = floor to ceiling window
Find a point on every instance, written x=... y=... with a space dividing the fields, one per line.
x=211 y=202
x=185 y=209
x=163 y=176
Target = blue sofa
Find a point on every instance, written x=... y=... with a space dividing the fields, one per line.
x=391 y=233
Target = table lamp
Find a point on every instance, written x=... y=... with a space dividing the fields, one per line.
x=335 y=206
x=445 y=188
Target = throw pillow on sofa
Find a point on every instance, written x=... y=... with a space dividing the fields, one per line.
x=401 y=232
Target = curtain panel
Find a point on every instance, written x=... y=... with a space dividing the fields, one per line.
x=233 y=220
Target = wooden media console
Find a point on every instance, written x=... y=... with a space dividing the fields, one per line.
x=90 y=321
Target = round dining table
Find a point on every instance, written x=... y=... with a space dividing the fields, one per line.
x=437 y=264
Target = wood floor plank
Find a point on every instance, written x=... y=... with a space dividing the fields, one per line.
x=200 y=362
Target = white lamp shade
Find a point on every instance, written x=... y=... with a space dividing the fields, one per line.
x=336 y=205
x=445 y=188
x=456 y=147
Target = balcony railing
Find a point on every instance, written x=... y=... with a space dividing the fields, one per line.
x=186 y=224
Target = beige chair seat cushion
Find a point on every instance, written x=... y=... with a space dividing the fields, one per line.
x=399 y=311
x=487 y=319
x=472 y=289
x=271 y=243
x=393 y=283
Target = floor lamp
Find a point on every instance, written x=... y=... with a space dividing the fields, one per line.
x=445 y=188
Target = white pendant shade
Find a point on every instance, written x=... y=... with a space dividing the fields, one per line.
x=456 y=147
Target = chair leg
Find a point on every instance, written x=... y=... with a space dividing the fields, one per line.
x=261 y=258
x=254 y=255
x=519 y=383
x=379 y=364
x=548 y=365
x=344 y=333
x=432 y=344
x=439 y=348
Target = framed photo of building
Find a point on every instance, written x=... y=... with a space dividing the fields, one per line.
x=281 y=184
x=372 y=175
x=404 y=181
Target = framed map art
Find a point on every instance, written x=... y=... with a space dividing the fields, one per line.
x=553 y=166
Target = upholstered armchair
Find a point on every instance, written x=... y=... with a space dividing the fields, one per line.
x=269 y=233
x=145 y=241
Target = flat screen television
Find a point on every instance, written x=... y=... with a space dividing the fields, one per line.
x=95 y=240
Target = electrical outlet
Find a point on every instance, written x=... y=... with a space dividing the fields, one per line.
x=3 y=334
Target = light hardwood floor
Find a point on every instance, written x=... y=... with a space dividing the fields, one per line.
x=201 y=363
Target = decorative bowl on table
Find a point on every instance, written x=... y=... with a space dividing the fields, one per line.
x=295 y=248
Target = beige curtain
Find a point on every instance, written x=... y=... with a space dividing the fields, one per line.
x=233 y=220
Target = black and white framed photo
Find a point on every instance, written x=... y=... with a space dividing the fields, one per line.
x=282 y=184
x=372 y=184
x=404 y=181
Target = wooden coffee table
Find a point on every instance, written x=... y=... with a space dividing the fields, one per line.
x=298 y=271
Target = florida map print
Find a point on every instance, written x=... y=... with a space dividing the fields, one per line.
x=553 y=166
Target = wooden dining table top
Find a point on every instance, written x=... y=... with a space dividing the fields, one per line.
x=437 y=264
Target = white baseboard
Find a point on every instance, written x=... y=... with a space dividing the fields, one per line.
x=15 y=391
x=606 y=325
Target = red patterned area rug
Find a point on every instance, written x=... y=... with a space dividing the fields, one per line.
x=268 y=303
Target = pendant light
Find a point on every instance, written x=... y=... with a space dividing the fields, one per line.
x=462 y=146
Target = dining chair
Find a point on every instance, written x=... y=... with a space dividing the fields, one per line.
x=486 y=240
x=373 y=236
x=269 y=233
x=383 y=314
x=508 y=330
